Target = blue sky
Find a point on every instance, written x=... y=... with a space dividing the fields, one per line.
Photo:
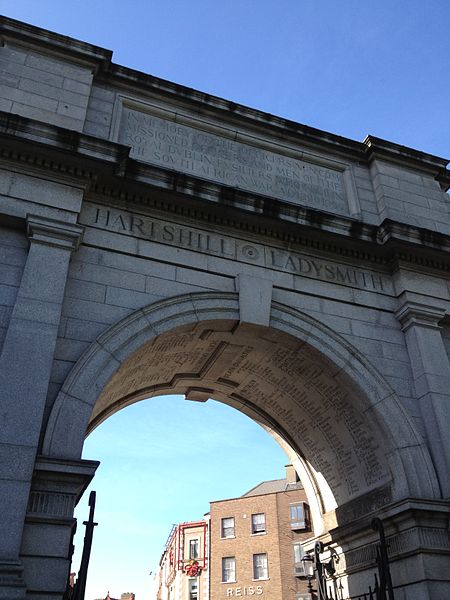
x=354 y=67
x=162 y=461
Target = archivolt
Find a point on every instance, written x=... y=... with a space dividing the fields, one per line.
x=300 y=380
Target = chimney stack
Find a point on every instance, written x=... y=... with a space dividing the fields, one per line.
x=291 y=474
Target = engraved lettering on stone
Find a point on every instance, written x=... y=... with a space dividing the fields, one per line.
x=331 y=429
x=218 y=159
x=226 y=247
x=290 y=386
x=172 y=357
x=368 y=503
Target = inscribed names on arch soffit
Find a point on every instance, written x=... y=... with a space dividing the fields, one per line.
x=284 y=384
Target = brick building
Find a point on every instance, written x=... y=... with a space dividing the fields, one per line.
x=246 y=546
x=183 y=568
x=256 y=542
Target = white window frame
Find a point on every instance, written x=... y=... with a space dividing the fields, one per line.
x=299 y=567
x=229 y=569
x=256 y=527
x=193 y=581
x=299 y=521
x=196 y=545
x=262 y=556
x=223 y=528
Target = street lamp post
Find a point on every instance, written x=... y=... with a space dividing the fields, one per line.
x=313 y=565
x=308 y=567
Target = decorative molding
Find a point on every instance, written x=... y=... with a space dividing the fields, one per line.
x=79 y=51
x=364 y=505
x=57 y=486
x=47 y=147
x=395 y=153
x=51 y=504
x=11 y=574
x=433 y=537
x=111 y=175
x=413 y=540
x=392 y=231
x=24 y=162
x=414 y=313
x=54 y=233
x=288 y=223
x=295 y=229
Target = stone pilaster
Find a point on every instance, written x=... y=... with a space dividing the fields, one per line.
x=418 y=548
x=25 y=365
x=430 y=367
x=56 y=487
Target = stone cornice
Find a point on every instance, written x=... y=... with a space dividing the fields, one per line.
x=57 y=486
x=76 y=50
x=56 y=149
x=298 y=225
x=413 y=313
x=269 y=124
x=82 y=159
x=164 y=190
x=59 y=234
x=121 y=76
x=401 y=233
x=391 y=152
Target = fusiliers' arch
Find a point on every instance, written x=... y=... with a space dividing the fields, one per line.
x=304 y=383
x=154 y=240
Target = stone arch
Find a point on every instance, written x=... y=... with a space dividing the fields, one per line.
x=384 y=456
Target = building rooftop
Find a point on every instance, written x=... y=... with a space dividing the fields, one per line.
x=272 y=487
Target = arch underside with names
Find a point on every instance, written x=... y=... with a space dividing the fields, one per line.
x=306 y=385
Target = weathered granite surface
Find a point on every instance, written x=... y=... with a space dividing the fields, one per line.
x=154 y=239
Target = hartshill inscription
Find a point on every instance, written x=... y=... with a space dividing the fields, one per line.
x=172 y=234
x=225 y=161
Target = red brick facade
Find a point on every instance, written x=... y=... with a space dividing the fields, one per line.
x=272 y=543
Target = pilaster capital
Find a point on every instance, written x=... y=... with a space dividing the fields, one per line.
x=51 y=232
x=417 y=313
x=57 y=486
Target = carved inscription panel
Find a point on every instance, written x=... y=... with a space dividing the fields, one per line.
x=292 y=386
x=222 y=160
x=215 y=244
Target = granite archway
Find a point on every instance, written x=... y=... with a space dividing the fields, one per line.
x=155 y=239
x=346 y=430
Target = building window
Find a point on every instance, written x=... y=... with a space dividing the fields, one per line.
x=228 y=527
x=299 y=568
x=228 y=569
x=193 y=548
x=260 y=570
x=193 y=589
x=259 y=523
x=299 y=515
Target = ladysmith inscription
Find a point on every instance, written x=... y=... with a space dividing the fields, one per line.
x=225 y=161
x=173 y=234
